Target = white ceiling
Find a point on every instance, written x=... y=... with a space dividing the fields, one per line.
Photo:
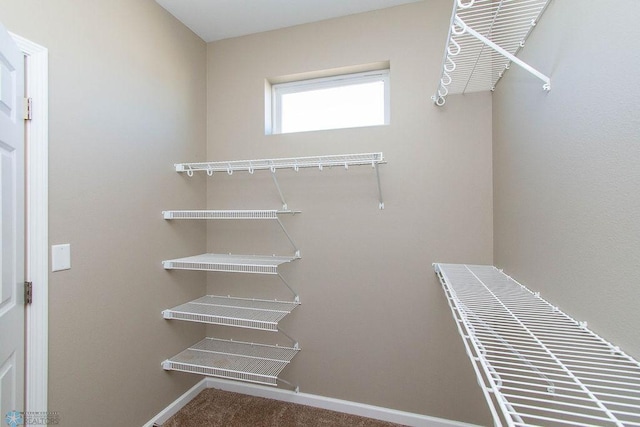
x=220 y=19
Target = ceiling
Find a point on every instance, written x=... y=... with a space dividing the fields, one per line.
x=221 y=19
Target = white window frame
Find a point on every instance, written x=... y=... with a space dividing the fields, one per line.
x=279 y=89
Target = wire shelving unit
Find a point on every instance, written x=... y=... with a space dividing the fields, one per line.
x=535 y=364
x=292 y=163
x=229 y=263
x=484 y=38
x=239 y=312
x=256 y=214
x=258 y=264
x=256 y=363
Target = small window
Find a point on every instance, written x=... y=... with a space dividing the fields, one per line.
x=344 y=101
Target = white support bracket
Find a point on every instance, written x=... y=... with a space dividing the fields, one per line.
x=275 y=181
x=381 y=203
x=295 y=343
x=296 y=297
x=295 y=388
x=547 y=81
x=284 y=230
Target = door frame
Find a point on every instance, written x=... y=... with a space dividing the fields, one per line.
x=37 y=224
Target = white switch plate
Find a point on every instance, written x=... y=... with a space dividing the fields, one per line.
x=60 y=257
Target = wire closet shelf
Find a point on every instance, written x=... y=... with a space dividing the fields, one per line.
x=535 y=364
x=230 y=263
x=291 y=163
x=256 y=363
x=294 y=163
x=239 y=312
x=484 y=38
x=258 y=264
x=255 y=214
x=227 y=214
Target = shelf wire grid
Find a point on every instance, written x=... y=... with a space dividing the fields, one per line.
x=537 y=365
x=294 y=163
x=469 y=65
x=227 y=214
x=257 y=264
x=256 y=363
x=239 y=312
x=253 y=214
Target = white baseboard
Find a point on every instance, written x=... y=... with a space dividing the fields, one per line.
x=345 y=406
x=177 y=404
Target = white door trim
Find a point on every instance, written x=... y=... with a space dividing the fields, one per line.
x=37 y=224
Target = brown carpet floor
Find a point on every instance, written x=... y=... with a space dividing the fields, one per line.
x=222 y=408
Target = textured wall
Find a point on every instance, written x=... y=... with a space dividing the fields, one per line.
x=374 y=325
x=127 y=100
x=566 y=167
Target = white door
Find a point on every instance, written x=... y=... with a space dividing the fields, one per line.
x=11 y=228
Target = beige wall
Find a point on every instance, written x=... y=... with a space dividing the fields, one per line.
x=127 y=100
x=567 y=167
x=374 y=325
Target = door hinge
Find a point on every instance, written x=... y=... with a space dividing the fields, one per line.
x=28 y=104
x=28 y=292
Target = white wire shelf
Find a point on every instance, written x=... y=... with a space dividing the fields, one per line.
x=535 y=364
x=239 y=312
x=256 y=363
x=227 y=214
x=258 y=264
x=484 y=38
x=235 y=215
x=294 y=163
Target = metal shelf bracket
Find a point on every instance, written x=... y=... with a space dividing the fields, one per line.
x=286 y=233
x=275 y=181
x=295 y=294
x=295 y=342
x=295 y=388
